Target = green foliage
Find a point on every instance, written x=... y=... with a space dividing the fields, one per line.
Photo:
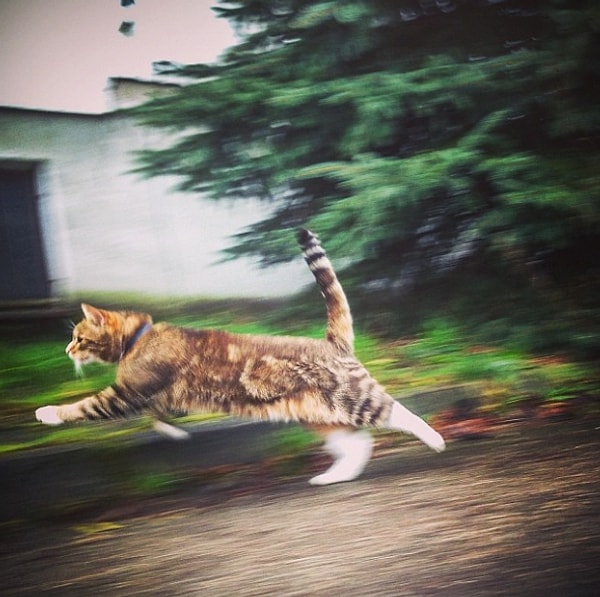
x=143 y=483
x=444 y=355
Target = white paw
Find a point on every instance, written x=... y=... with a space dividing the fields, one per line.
x=402 y=419
x=324 y=479
x=351 y=451
x=329 y=478
x=437 y=443
x=431 y=438
x=48 y=415
x=171 y=431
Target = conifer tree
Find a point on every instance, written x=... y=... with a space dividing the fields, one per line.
x=417 y=136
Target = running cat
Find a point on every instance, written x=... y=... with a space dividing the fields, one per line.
x=165 y=369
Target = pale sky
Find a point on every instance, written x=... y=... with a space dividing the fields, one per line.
x=58 y=54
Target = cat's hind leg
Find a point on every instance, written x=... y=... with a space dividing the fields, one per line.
x=401 y=419
x=351 y=450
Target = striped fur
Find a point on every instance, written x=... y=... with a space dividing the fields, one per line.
x=340 y=330
x=165 y=370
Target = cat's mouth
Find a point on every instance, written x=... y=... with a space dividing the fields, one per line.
x=79 y=362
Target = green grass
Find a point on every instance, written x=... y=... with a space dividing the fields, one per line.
x=34 y=371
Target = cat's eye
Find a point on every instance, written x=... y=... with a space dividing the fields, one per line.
x=84 y=341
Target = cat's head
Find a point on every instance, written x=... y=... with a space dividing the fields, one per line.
x=102 y=336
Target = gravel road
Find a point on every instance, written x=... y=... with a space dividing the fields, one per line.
x=516 y=514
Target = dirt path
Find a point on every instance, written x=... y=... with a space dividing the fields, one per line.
x=515 y=515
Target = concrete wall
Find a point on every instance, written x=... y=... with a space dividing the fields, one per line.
x=105 y=229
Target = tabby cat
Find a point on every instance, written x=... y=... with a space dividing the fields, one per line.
x=166 y=369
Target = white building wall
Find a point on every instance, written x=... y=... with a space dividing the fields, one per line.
x=109 y=230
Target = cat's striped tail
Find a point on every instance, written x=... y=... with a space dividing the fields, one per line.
x=339 y=318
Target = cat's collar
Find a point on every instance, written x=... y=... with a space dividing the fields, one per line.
x=136 y=336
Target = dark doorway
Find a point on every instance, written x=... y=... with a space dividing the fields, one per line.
x=23 y=273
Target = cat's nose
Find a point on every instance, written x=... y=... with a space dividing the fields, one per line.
x=68 y=348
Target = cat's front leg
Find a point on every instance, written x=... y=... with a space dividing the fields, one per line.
x=111 y=403
x=78 y=411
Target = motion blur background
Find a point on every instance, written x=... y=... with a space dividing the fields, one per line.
x=154 y=154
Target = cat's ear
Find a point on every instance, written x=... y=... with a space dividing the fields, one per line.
x=93 y=315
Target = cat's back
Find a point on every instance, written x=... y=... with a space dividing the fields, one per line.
x=215 y=341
